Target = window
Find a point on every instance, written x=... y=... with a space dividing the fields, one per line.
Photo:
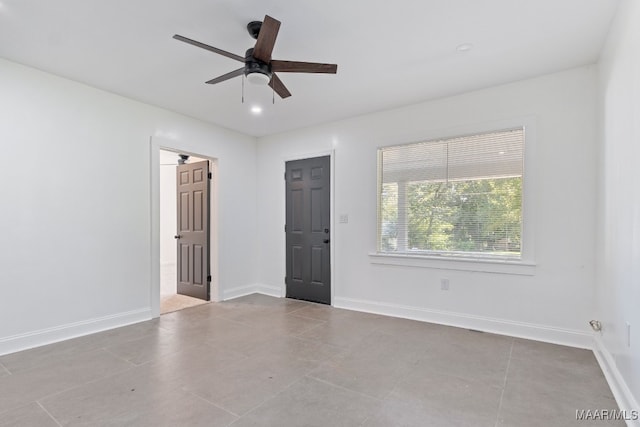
x=459 y=196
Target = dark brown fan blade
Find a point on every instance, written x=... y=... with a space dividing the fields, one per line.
x=302 y=67
x=266 y=39
x=210 y=48
x=227 y=76
x=279 y=87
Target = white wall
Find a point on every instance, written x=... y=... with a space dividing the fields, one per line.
x=618 y=249
x=75 y=217
x=554 y=304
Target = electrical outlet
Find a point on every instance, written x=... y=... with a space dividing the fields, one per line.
x=628 y=333
x=344 y=218
x=444 y=284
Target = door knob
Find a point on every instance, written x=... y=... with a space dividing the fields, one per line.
x=326 y=240
x=177 y=236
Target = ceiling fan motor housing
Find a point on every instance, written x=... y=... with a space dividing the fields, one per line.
x=255 y=70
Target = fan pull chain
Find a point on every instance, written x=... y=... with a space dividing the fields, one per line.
x=273 y=94
x=243 y=89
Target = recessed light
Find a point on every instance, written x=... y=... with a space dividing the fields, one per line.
x=464 y=47
x=256 y=109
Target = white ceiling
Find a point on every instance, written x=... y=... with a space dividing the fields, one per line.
x=389 y=53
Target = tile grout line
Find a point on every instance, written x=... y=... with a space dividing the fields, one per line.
x=289 y=315
x=293 y=313
x=287 y=387
x=504 y=383
x=4 y=368
x=210 y=402
x=344 y=388
x=268 y=399
x=394 y=388
x=95 y=380
x=298 y=309
x=313 y=328
x=106 y=350
x=48 y=413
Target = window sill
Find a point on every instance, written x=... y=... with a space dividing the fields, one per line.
x=483 y=265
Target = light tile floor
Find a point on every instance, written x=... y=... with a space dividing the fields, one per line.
x=175 y=302
x=170 y=300
x=262 y=361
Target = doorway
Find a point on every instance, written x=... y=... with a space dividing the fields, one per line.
x=184 y=231
x=308 y=233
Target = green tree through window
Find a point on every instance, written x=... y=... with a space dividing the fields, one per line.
x=454 y=211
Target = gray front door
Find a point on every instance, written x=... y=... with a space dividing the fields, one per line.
x=192 y=237
x=308 y=221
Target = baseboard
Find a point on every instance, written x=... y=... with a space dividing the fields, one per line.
x=41 y=337
x=256 y=288
x=238 y=292
x=273 y=291
x=497 y=326
x=625 y=399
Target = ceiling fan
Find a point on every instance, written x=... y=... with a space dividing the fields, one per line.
x=258 y=65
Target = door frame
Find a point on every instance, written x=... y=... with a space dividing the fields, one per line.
x=332 y=222
x=180 y=147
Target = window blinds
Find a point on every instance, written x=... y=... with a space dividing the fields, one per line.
x=488 y=155
x=457 y=195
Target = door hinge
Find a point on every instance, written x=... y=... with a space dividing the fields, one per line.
x=209 y=278
x=285 y=176
x=285 y=228
x=210 y=176
x=285 y=280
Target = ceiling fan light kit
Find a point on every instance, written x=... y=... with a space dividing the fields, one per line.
x=258 y=79
x=259 y=68
x=256 y=71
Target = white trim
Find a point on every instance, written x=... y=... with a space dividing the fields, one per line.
x=625 y=399
x=529 y=191
x=304 y=156
x=256 y=288
x=273 y=291
x=481 y=265
x=571 y=338
x=239 y=291
x=332 y=222
x=154 y=232
x=33 y=339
